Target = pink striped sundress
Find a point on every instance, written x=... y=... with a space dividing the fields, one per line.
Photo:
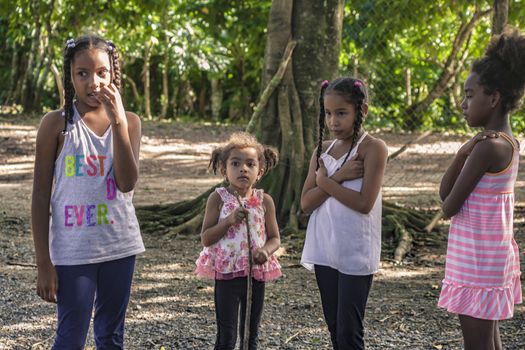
x=482 y=271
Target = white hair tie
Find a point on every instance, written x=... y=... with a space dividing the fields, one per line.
x=70 y=43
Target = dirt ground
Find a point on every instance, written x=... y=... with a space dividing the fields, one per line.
x=170 y=308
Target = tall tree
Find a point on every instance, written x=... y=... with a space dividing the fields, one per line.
x=289 y=121
x=501 y=15
x=289 y=113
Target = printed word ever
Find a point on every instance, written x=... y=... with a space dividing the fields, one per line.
x=91 y=214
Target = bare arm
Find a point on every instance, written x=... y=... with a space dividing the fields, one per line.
x=213 y=229
x=126 y=148
x=273 y=241
x=491 y=155
x=126 y=138
x=375 y=158
x=453 y=171
x=313 y=196
x=46 y=148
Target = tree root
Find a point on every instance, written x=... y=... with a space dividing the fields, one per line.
x=401 y=224
x=174 y=218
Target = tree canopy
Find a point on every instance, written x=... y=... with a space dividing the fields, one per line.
x=204 y=58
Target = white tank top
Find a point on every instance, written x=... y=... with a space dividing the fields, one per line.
x=91 y=220
x=340 y=237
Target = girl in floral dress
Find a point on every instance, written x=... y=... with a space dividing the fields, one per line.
x=243 y=161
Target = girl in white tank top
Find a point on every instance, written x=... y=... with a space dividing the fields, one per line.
x=343 y=194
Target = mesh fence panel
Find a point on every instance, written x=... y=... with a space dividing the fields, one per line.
x=414 y=57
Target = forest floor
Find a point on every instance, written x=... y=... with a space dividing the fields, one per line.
x=173 y=309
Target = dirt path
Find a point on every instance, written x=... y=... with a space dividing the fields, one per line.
x=170 y=308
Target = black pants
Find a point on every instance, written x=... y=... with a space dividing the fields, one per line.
x=228 y=295
x=344 y=300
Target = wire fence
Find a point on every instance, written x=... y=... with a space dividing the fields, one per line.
x=414 y=57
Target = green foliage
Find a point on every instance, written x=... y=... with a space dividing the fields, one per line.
x=201 y=40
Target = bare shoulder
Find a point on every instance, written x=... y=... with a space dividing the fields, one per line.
x=375 y=145
x=53 y=120
x=326 y=144
x=493 y=147
x=52 y=123
x=214 y=198
x=133 y=119
x=268 y=202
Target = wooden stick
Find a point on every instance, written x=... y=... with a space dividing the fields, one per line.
x=248 y=282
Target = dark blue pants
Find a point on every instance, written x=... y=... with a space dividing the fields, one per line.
x=108 y=285
x=228 y=295
x=344 y=300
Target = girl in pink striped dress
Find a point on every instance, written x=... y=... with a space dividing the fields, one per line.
x=482 y=272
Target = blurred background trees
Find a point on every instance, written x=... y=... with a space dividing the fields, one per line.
x=203 y=59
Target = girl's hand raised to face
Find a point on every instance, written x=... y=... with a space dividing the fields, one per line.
x=467 y=148
x=110 y=98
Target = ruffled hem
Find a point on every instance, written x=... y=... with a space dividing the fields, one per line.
x=488 y=303
x=258 y=274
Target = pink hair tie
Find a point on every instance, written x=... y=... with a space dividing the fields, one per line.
x=325 y=83
x=358 y=83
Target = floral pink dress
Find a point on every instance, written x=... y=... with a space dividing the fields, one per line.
x=228 y=258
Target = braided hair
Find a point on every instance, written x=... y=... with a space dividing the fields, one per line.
x=502 y=68
x=354 y=92
x=72 y=48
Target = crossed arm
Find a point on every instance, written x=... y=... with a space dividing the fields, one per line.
x=318 y=186
x=473 y=159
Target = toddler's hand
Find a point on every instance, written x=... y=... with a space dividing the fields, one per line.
x=467 y=148
x=260 y=256
x=237 y=216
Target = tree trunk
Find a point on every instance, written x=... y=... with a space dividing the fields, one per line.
x=286 y=117
x=146 y=79
x=58 y=80
x=500 y=17
x=414 y=112
x=202 y=101
x=165 y=97
x=408 y=87
x=136 y=97
x=316 y=27
x=11 y=92
x=216 y=98
x=289 y=119
x=48 y=60
x=29 y=78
